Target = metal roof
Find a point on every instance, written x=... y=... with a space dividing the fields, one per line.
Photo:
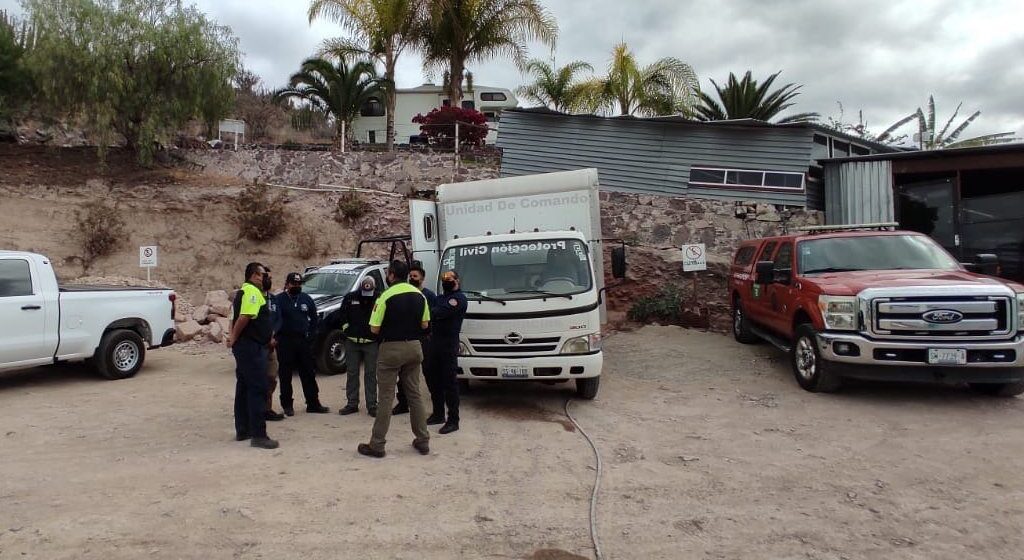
x=731 y=123
x=1017 y=147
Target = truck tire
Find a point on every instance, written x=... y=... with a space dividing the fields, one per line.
x=331 y=358
x=998 y=389
x=741 y=325
x=120 y=354
x=587 y=388
x=812 y=372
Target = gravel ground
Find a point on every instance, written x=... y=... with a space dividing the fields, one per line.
x=709 y=448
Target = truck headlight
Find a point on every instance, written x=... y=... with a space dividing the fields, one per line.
x=1020 y=310
x=582 y=344
x=839 y=312
x=463 y=349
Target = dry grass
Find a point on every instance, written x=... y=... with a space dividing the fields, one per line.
x=260 y=214
x=99 y=231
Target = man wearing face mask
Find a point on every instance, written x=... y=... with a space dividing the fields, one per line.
x=294 y=345
x=360 y=346
x=448 y=311
x=275 y=321
x=417 y=276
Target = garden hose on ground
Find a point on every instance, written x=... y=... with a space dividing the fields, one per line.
x=597 y=484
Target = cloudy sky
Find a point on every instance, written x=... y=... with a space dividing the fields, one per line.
x=882 y=57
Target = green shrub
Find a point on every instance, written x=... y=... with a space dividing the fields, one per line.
x=99 y=230
x=260 y=215
x=665 y=306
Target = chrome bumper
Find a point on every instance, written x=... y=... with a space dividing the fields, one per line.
x=826 y=342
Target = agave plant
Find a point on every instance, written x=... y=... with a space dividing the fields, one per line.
x=929 y=139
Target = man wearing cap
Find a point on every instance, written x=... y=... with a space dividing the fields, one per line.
x=249 y=340
x=360 y=346
x=294 y=347
x=399 y=318
x=448 y=311
x=417 y=277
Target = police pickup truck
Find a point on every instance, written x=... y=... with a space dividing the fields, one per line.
x=43 y=323
x=327 y=285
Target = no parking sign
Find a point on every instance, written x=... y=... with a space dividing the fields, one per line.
x=695 y=258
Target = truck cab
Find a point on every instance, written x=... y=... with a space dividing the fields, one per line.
x=874 y=303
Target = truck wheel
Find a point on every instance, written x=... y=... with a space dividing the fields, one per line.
x=740 y=325
x=120 y=354
x=331 y=358
x=811 y=371
x=998 y=389
x=587 y=388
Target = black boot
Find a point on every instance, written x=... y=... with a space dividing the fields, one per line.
x=449 y=427
x=435 y=419
x=264 y=443
x=317 y=408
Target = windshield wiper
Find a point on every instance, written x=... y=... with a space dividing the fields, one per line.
x=484 y=296
x=542 y=292
x=826 y=270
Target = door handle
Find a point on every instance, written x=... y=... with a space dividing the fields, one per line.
x=30 y=307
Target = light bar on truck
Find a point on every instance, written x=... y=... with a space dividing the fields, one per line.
x=850 y=227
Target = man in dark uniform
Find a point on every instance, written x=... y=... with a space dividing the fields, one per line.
x=275 y=320
x=448 y=311
x=360 y=346
x=417 y=276
x=249 y=339
x=399 y=318
x=294 y=345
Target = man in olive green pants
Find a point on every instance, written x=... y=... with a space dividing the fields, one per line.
x=400 y=315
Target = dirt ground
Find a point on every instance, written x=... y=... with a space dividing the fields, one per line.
x=709 y=449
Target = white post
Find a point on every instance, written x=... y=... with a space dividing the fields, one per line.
x=148 y=268
x=343 y=136
x=456 y=137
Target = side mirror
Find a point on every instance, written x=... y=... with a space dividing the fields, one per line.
x=618 y=263
x=765 y=272
x=988 y=264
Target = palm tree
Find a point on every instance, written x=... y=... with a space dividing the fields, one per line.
x=381 y=29
x=928 y=139
x=748 y=99
x=337 y=91
x=557 y=88
x=458 y=32
x=667 y=86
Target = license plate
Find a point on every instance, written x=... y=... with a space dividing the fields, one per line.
x=515 y=371
x=947 y=356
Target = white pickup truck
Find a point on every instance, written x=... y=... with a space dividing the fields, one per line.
x=43 y=323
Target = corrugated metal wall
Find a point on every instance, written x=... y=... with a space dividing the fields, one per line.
x=650 y=157
x=858 y=192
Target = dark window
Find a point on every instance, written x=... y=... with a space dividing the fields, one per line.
x=428 y=227
x=784 y=260
x=468 y=104
x=371 y=137
x=784 y=180
x=875 y=252
x=840 y=149
x=15 y=278
x=745 y=255
x=446 y=103
x=766 y=253
x=492 y=96
x=819 y=150
x=491 y=116
x=713 y=176
x=372 y=108
x=744 y=178
x=859 y=150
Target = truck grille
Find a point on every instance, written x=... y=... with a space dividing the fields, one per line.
x=942 y=318
x=500 y=346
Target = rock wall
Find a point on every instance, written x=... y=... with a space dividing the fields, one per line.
x=656 y=227
x=399 y=172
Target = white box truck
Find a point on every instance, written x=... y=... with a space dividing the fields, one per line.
x=528 y=252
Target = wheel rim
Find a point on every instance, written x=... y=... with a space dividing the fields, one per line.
x=126 y=356
x=737 y=320
x=337 y=353
x=806 y=359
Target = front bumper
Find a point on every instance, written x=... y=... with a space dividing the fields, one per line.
x=539 y=368
x=989 y=361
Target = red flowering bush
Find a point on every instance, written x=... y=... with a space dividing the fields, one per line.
x=439 y=126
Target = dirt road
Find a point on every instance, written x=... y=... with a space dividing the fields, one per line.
x=710 y=451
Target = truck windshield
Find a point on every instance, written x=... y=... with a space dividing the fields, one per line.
x=330 y=283
x=881 y=252
x=521 y=269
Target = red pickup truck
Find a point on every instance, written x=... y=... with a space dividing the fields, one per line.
x=880 y=305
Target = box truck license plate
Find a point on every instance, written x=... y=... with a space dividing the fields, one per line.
x=947 y=356
x=515 y=371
